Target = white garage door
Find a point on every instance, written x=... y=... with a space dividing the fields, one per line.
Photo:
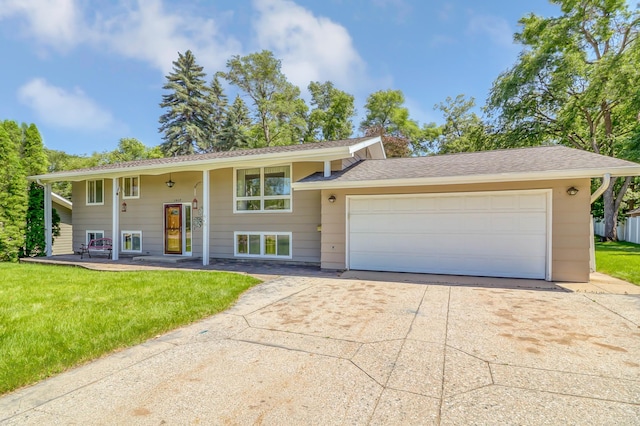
x=496 y=234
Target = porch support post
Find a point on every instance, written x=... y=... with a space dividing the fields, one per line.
x=327 y=168
x=205 y=218
x=115 y=225
x=48 y=221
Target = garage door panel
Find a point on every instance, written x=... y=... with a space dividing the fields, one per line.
x=468 y=234
x=477 y=203
x=533 y=202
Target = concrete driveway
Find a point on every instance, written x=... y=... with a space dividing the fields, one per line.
x=318 y=350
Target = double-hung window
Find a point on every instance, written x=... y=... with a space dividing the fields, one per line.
x=95 y=192
x=131 y=187
x=263 y=189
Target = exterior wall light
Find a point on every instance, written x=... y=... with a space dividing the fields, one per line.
x=194 y=203
x=332 y=199
x=123 y=207
x=170 y=183
x=572 y=191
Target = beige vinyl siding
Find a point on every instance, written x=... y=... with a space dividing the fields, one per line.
x=302 y=222
x=86 y=217
x=569 y=228
x=63 y=244
x=144 y=214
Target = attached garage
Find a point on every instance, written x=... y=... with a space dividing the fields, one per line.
x=497 y=234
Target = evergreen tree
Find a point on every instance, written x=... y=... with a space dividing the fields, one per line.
x=13 y=197
x=219 y=105
x=34 y=159
x=186 y=123
x=35 y=244
x=234 y=133
x=34 y=162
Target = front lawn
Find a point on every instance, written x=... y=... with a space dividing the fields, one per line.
x=619 y=259
x=55 y=317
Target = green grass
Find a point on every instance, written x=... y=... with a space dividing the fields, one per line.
x=56 y=317
x=619 y=259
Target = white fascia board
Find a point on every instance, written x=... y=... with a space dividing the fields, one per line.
x=470 y=179
x=322 y=154
x=61 y=200
x=364 y=144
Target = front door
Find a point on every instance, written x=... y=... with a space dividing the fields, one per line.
x=173 y=229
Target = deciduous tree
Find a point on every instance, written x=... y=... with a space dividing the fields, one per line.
x=463 y=130
x=280 y=113
x=576 y=83
x=332 y=115
x=388 y=117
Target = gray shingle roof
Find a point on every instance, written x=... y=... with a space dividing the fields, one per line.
x=221 y=155
x=500 y=162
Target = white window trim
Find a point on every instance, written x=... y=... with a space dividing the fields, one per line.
x=123 y=250
x=262 y=235
x=262 y=197
x=87 y=193
x=130 y=197
x=92 y=231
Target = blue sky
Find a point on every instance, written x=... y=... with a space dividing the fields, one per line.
x=88 y=73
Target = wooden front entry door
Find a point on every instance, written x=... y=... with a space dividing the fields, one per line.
x=173 y=229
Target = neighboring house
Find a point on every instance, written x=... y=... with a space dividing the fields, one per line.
x=63 y=243
x=342 y=205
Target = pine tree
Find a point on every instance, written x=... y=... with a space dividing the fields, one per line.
x=34 y=162
x=219 y=105
x=185 y=124
x=13 y=199
x=234 y=133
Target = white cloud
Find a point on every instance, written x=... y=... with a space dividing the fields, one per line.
x=497 y=29
x=311 y=48
x=151 y=33
x=141 y=29
x=50 y=22
x=62 y=108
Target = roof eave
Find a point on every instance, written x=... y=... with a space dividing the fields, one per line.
x=61 y=200
x=321 y=154
x=471 y=179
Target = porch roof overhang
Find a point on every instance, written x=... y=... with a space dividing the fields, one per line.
x=313 y=152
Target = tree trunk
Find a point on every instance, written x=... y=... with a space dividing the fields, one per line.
x=611 y=207
x=610 y=216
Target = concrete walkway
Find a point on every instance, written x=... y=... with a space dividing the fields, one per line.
x=320 y=350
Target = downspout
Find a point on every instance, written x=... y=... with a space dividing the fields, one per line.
x=606 y=181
